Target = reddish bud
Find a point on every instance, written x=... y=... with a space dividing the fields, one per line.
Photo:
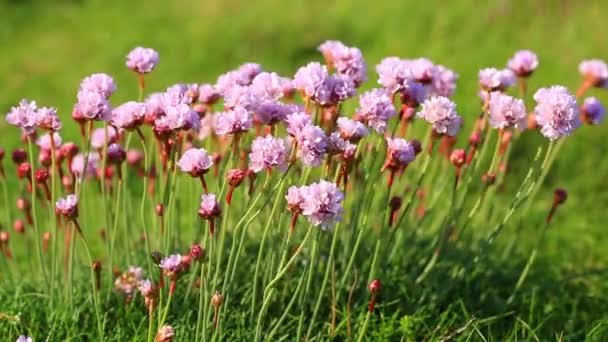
x=4 y=237
x=416 y=145
x=559 y=196
x=235 y=177
x=19 y=156
x=1 y=154
x=197 y=252
x=23 y=204
x=19 y=226
x=159 y=209
x=488 y=178
x=41 y=176
x=458 y=157
x=375 y=286
x=134 y=157
x=69 y=150
x=475 y=138
x=23 y=170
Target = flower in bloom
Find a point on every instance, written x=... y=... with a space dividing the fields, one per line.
x=268 y=152
x=67 y=206
x=506 y=111
x=348 y=61
x=422 y=69
x=98 y=83
x=491 y=79
x=239 y=96
x=271 y=112
x=165 y=334
x=146 y=288
x=592 y=111
x=91 y=105
x=129 y=281
x=310 y=78
x=171 y=265
x=444 y=82
x=267 y=86
x=101 y=137
x=351 y=130
x=24 y=338
x=207 y=94
x=142 y=60
x=44 y=142
x=399 y=154
x=556 y=112
x=322 y=203
x=209 y=208
x=376 y=108
x=296 y=122
x=394 y=74
x=294 y=199
x=248 y=71
x=312 y=145
x=335 y=89
x=595 y=71
x=234 y=121
x=440 y=112
x=46 y=118
x=24 y=116
x=195 y=161
x=129 y=115
x=523 y=63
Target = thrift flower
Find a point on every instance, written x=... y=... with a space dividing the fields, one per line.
x=44 y=142
x=195 y=162
x=523 y=63
x=592 y=111
x=491 y=79
x=322 y=204
x=399 y=154
x=165 y=334
x=312 y=145
x=556 y=112
x=296 y=122
x=376 y=108
x=441 y=113
x=595 y=71
x=129 y=115
x=234 y=121
x=24 y=116
x=506 y=111
x=99 y=135
x=91 y=105
x=351 y=130
x=98 y=83
x=268 y=152
x=394 y=74
x=24 y=338
x=142 y=60
x=444 y=82
x=67 y=206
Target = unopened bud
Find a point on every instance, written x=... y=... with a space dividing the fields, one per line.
x=197 y=252
x=156 y=256
x=374 y=286
x=19 y=226
x=19 y=156
x=488 y=178
x=416 y=145
x=559 y=196
x=217 y=299
x=475 y=138
x=458 y=157
x=159 y=209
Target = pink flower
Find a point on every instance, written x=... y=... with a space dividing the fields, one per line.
x=491 y=79
x=209 y=208
x=67 y=206
x=44 y=142
x=399 y=153
x=556 y=112
x=24 y=116
x=351 y=130
x=195 y=162
x=129 y=115
x=233 y=121
x=312 y=145
x=595 y=71
x=376 y=108
x=322 y=203
x=523 y=63
x=268 y=152
x=98 y=83
x=296 y=122
x=440 y=112
x=507 y=111
x=142 y=60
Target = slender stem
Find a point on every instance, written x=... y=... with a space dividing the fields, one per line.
x=34 y=215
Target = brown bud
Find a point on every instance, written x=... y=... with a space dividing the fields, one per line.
x=159 y=209
x=217 y=299
x=559 y=196
x=395 y=203
x=416 y=145
x=488 y=178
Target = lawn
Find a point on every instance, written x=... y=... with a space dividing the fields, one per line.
x=49 y=47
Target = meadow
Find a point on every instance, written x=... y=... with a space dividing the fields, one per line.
x=448 y=265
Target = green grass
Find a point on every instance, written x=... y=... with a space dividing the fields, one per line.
x=49 y=47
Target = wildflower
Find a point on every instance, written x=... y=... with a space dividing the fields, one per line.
x=394 y=74
x=267 y=86
x=128 y=281
x=67 y=206
x=523 y=63
x=142 y=60
x=268 y=152
x=458 y=158
x=239 y=96
x=556 y=112
x=116 y=155
x=216 y=301
x=335 y=89
x=595 y=72
x=310 y=78
x=441 y=113
x=23 y=338
x=423 y=70
x=19 y=156
x=506 y=111
x=233 y=121
x=592 y=111
x=351 y=130
x=399 y=154
x=19 y=226
x=45 y=142
x=197 y=252
x=444 y=82
x=269 y=113
x=78 y=164
x=296 y=122
x=312 y=145
x=172 y=267
x=374 y=287
x=376 y=108
x=491 y=79
x=208 y=94
x=104 y=136
x=129 y=115
x=394 y=204
x=209 y=210
x=322 y=204
x=91 y=105
x=559 y=197
x=102 y=84
x=165 y=334
x=234 y=177
x=4 y=244
x=24 y=116
x=96 y=266
x=348 y=61
x=248 y=71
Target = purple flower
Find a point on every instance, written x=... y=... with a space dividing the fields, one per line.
x=195 y=162
x=335 y=89
x=556 y=112
x=440 y=112
x=178 y=94
x=178 y=117
x=399 y=153
x=294 y=199
x=206 y=126
x=506 y=111
x=129 y=115
x=312 y=145
x=23 y=338
x=154 y=107
x=209 y=208
x=46 y=118
x=310 y=78
x=234 y=121
x=269 y=113
x=44 y=142
x=67 y=206
x=267 y=86
x=207 y=94
x=296 y=122
x=351 y=130
x=116 y=154
x=78 y=164
x=491 y=79
x=422 y=69
x=523 y=63
x=394 y=74
x=593 y=111
x=348 y=61
x=248 y=71
x=24 y=116
x=91 y=105
x=337 y=145
x=444 y=82
x=376 y=108
x=146 y=288
x=142 y=60
x=99 y=135
x=322 y=203
x=268 y=152
x=172 y=266
x=595 y=71
x=98 y=83
x=239 y=96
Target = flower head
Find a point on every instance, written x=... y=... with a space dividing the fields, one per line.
x=592 y=111
x=376 y=108
x=440 y=112
x=142 y=60
x=348 y=61
x=351 y=130
x=394 y=74
x=506 y=111
x=267 y=86
x=322 y=203
x=23 y=338
x=310 y=78
x=172 y=265
x=234 y=121
x=271 y=112
x=556 y=112
x=101 y=137
x=594 y=71
x=268 y=152
x=208 y=94
x=399 y=154
x=129 y=115
x=44 y=142
x=312 y=145
x=294 y=199
x=98 y=83
x=24 y=116
x=444 y=82
x=165 y=334
x=67 y=206
x=146 y=288
x=195 y=162
x=78 y=164
x=296 y=122
x=422 y=69
x=523 y=63
x=209 y=208
x=91 y=105
x=491 y=79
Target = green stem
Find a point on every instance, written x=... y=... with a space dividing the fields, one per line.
x=34 y=215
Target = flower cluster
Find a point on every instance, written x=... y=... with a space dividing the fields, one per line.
x=320 y=202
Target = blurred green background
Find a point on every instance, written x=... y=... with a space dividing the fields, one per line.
x=49 y=46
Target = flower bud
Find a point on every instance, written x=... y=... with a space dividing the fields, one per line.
x=475 y=138
x=23 y=170
x=4 y=237
x=69 y=150
x=374 y=286
x=157 y=256
x=458 y=157
x=217 y=299
x=23 y=204
x=416 y=145
x=19 y=226
x=489 y=178
x=1 y=154
x=41 y=176
x=197 y=252
x=19 y=156
x=159 y=209
x=559 y=196
x=165 y=334
x=235 y=177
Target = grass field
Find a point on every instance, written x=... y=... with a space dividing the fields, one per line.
x=48 y=47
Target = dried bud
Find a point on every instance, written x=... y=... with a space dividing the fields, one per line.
x=159 y=209
x=217 y=299
x=559 y=196
x=235 y=177
x=19 y=156
x=96 y=266
x=1 y=154
x=116 y=154
x=157 y=256
x=395 y=203
x=374 y=286
x=416 y=145
x=197 y=252
x=488 y=178
x=19 y=226
x=458 y=157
